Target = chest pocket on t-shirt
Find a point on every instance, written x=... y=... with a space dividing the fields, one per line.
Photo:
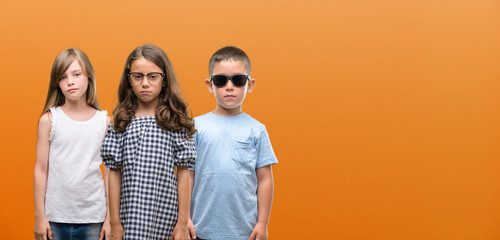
x=244 y=152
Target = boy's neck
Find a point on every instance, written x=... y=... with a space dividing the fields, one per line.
x=220 y=111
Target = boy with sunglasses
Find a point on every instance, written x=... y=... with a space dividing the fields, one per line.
x=232 y=181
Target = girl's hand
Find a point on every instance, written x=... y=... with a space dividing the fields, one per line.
x=259 y=232
x=105 y=230
x=117 y=232
x=42 y=229
x=190 y=228
x=180 y=232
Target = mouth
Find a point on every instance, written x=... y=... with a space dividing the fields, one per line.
x=72 y=89
x=145 y=92
x=229 y=96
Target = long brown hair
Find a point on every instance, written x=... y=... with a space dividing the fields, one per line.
x=55 y=97
x=171 y=112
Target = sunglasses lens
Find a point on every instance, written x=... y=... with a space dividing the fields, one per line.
x=219 y=80
x=239 y=80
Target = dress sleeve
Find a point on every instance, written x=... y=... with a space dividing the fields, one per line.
x=112 y=148
x=184 y=149
x=195 y=139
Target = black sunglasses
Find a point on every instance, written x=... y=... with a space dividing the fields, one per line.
x=221 y=80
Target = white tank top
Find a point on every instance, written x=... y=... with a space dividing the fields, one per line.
x=75 y=188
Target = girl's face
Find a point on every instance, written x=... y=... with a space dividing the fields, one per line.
x=148 y=88
x=74 y=82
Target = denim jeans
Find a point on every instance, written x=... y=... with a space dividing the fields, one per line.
x=71 y=231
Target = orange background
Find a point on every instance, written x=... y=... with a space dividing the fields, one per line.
x=384 y=114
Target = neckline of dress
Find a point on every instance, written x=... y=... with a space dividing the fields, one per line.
x=143 y=118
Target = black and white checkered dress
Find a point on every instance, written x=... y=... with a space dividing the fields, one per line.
x=148 y=156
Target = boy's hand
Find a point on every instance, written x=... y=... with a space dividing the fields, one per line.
x=117 y=232
x=259 y=232
x=42 y=229
x=180 y=232
x=105 y=230
x=190 y=228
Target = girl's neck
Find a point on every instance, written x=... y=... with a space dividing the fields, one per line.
x=75 y=105
x=78 y=110
x=146 y=109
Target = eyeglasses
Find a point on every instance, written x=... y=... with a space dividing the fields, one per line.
x=221 y=80
x=153 y=77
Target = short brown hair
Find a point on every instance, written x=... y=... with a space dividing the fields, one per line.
x=229 y=52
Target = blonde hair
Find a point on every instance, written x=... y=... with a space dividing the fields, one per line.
x=55 y=97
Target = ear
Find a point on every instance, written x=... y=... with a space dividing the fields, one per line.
x=209 y=85
x=251 y=85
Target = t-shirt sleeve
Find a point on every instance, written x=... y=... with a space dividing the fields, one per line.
x=112 y=148
x=184 y=149
x=265 y=150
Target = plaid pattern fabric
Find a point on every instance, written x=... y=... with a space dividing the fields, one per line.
x=148 y=156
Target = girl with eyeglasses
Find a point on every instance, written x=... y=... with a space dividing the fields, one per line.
x=69 y=191
x=151 y=138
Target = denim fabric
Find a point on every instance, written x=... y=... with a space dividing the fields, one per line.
x=70 y=231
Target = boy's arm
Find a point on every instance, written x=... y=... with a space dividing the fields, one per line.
x=42 y=227
x=265 y=191
x=180 y=230
x=114 y=185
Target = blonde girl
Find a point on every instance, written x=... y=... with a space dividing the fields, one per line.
x=151 y=138
x=69 y=191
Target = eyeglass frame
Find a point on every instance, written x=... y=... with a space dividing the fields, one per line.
x=147 y=76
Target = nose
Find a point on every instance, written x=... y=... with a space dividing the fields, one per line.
x=145 y=81
x=229 y=85
x=70 y=80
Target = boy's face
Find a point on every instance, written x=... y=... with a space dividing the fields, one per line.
x=229 y=97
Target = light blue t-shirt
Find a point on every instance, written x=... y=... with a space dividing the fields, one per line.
x=229 y=150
